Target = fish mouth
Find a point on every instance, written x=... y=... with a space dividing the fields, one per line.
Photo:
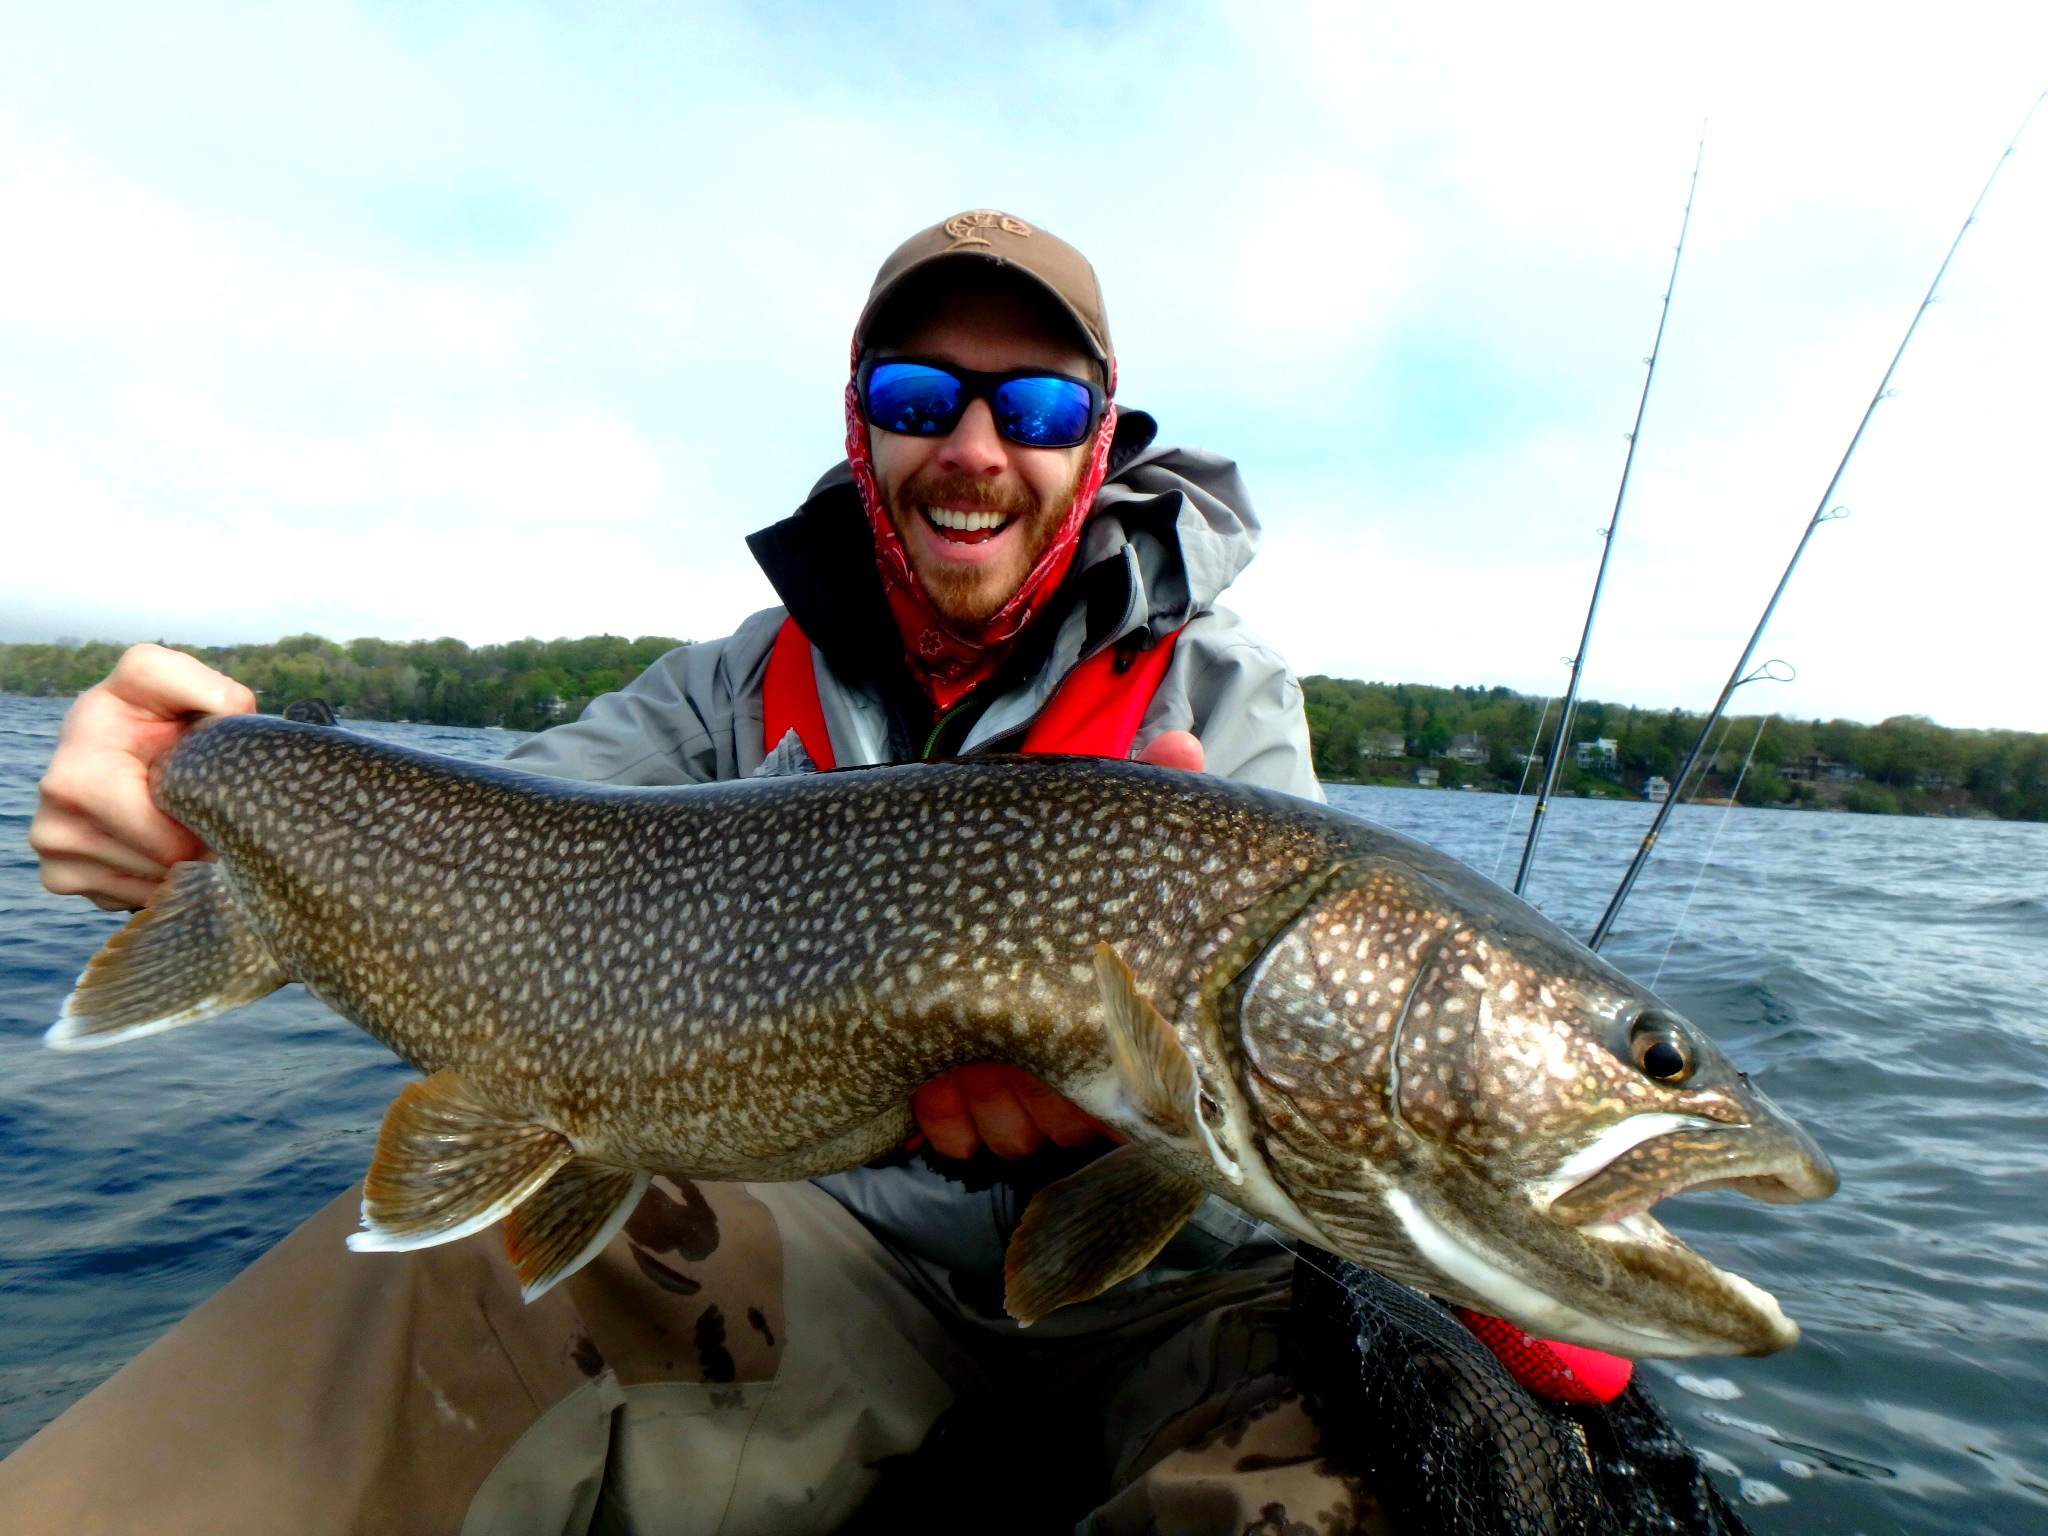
x=1657 y=1156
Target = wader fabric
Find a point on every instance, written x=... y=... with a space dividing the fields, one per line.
x=745 y=1360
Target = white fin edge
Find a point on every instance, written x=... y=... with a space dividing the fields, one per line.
x=613 y=1225
x=64 y=1035
x=375 y=1239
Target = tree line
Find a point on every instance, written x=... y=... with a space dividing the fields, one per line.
x=525 y=685
x=1495 y=738
x=1484 y=738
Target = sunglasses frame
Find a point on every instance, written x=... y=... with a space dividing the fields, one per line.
x=983 y=386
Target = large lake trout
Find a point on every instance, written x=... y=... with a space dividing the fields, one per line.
x=1339 y=1030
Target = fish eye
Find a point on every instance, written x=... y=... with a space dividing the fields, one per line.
x=1659 y=1050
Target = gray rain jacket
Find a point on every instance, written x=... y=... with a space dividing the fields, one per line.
x=1171 y=529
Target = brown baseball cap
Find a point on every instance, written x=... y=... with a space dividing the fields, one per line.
x=1005 y=241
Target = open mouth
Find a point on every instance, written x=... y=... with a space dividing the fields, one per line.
x=961 y=527
x=1682 y=1159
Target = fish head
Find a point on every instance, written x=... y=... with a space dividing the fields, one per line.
x=1448 y=1088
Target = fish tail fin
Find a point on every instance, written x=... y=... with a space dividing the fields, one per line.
x=566 y=1222
x=189 y=955
x=448 y=1163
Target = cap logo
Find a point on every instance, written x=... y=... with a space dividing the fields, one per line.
x=967 y=228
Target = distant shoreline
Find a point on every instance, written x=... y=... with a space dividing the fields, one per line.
x=1479 y=738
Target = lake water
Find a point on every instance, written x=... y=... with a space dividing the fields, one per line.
x=1885 y=979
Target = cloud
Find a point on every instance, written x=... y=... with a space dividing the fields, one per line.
x=487 y=321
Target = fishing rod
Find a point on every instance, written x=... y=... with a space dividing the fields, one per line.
x=1822 y=513
x=1571 y=691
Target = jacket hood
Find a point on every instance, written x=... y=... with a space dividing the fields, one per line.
x=1171 y=529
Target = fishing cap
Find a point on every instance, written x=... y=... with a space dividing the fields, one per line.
x=1004 y=241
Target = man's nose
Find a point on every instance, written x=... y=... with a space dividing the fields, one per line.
x=974 y=447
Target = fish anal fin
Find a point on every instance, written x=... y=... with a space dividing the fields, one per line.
x=566 y=1222
x=1149 y=1059
x=448 y=1163
x=186 y=957
x=1092 y=1229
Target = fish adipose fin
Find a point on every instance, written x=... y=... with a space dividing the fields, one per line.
x=1150 y=1062
x=449 y=1163
x=1092 y=1229
x=567 y=1222
x=186 y=957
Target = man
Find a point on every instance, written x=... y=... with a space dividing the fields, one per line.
x=1004 y=562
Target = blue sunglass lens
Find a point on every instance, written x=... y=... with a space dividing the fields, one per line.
x=912 y=399
x=1043 y=412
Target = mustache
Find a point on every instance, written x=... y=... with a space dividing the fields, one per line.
x=931 y=486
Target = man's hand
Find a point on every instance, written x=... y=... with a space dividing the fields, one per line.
x=1006 y=1109
x=1174 y=749
x=96 y=831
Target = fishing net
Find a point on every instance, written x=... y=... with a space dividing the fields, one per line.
x=1454 y=1446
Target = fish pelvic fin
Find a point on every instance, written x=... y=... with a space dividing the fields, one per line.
x=565 y=1224
x=1092 y=1229
x=188 y=956
x=1149 y=1059
x=448 y=1163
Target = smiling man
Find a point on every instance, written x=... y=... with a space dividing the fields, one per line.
x=1003 y=562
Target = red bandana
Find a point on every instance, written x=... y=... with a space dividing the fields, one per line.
x=947 y=661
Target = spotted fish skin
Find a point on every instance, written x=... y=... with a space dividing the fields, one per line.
x=1389 y=1056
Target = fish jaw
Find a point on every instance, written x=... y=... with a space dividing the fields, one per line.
x=1454 y=1092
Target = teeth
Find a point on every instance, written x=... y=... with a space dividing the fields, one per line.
x=965 y=522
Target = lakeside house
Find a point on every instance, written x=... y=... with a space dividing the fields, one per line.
x=1427 y=777
x=1470 y=747
x=1379 y=745
x=1656 y=787
x=1603 y=752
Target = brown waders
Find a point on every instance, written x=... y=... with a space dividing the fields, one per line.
x=741 y=1359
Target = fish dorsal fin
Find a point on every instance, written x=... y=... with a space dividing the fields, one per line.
x=566 y=1222
x=448 y=1163
x=1092 y=1229
x=789 y=757
x=1149 y=1059
x=186 y=957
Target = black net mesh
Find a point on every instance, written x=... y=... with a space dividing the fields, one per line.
x=1454 y=1446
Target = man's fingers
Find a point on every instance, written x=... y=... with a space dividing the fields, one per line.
x=1174 y=749
x=1064 y=1122
x=109 y=789
x=169 y=685
x=940 y=1110
x=65 y=837
x=104 y=888
x=1005 y=1128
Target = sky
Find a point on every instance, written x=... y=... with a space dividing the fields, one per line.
x=494 y=320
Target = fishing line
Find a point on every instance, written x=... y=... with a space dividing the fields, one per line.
x=1571 y=691
x=1713 y=842
x=1824 y=512
x=1507 y=826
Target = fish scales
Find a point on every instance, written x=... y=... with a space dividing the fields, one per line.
x=689 y=961
x=1346 y=1033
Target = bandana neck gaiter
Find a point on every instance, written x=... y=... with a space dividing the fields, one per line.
x=950 y=660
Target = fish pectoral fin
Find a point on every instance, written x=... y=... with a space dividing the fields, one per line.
x=1149 y=1059
x=1092 y=1229
x=448 y=1163
x=564 y=1224
x=186 y=957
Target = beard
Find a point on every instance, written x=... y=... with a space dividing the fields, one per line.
x=974 y=594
